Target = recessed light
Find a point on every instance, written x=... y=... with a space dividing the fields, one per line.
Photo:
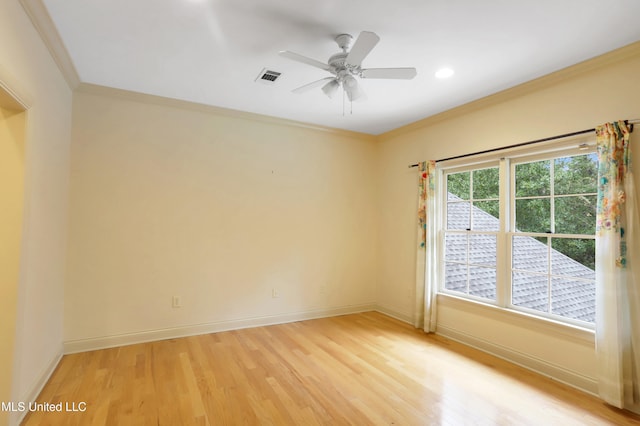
x=444 y=73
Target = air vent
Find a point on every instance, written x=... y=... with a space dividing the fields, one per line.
x=267 y=76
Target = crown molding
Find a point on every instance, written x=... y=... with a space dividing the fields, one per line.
x=12 y=95
x=43 y=23
x=95 y=89
x=606 y=59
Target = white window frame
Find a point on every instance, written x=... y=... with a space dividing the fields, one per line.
x=506 y=161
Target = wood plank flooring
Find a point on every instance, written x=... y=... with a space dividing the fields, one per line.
x=356 y=369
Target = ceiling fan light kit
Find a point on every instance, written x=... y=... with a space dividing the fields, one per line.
x=346 y=66
x=331 y=88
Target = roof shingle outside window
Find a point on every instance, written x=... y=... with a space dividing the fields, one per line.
x=570 y=298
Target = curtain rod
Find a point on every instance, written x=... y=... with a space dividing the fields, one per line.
x=566 y=135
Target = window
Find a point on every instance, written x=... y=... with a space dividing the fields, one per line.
x=519 y=233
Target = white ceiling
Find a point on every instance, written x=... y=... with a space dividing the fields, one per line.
x=211 y=51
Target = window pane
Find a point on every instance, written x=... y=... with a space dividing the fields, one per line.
x=530 y=254
x=533 y=179
x=482 y=249
x=573 y=257
x=486 y=183
x=575 y=215
x=455 y=277
x=458 y=185
x=455 y=247
x=533 y=215
x=482 y=282
x=458 y=215
x=573 y=299
x=576 y=175
x=486 y=216
x=530 y=291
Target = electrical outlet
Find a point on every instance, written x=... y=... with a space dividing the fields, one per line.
x=176 y=302
x=323 y=289
x=275 y=293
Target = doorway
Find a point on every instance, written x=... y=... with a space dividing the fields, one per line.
x=12 y=162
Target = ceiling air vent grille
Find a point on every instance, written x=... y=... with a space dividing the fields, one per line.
x=268 y=77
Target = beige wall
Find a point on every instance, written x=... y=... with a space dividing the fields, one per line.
x=217 y=209
x=579 y=98
x=12 y=126
x=27 y=68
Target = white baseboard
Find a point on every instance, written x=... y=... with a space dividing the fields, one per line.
x=555 y=372
x=393 y=313
x=15 y=418
x=83 y=345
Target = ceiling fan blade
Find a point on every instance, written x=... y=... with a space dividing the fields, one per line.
x=312 y=85
x=395 y=73
x=305 y=60
x=361 y=48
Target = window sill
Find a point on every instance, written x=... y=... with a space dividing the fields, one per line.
x=519 y=319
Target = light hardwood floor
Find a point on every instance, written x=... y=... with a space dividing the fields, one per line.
x=355 y=369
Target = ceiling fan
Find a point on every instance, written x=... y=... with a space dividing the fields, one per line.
x=346 y=66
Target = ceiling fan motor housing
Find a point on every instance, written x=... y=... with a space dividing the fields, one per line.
x=338 y=65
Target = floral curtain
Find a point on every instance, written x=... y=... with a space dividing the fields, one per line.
x=426 y=266
x=617 y=284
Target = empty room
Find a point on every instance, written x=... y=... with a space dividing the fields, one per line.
x=309 y=213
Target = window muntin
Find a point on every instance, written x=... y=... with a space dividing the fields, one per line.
x=546 y=237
